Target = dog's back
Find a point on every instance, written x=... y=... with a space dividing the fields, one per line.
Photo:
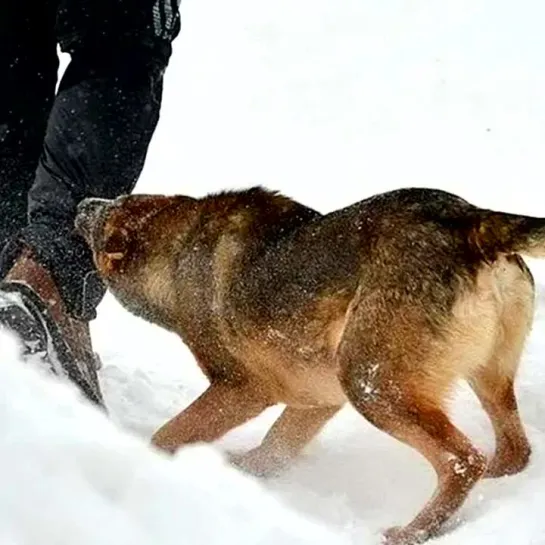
x=391 y=241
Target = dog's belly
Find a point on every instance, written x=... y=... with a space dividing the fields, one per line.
x=297 y=378
x=293 y=359
x=310 y=389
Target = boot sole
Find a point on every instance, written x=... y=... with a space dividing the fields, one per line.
x=25 y=314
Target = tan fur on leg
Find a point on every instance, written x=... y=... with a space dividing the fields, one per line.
x=218 y=410
x=494 y=383
x=288 y=436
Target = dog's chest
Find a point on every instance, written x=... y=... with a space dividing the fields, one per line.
x=298 y=375
x=146 y=297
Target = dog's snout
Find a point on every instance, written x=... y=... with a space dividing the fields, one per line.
x=89 y=206
x=87 y=212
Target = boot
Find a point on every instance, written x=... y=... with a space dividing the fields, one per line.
x=32 y=308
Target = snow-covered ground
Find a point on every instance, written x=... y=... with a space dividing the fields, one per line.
x=329 y=101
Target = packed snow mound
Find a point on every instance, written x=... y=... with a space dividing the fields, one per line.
x=70 y=476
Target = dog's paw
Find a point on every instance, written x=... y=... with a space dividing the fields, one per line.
x=401 y=535
x=508 y=463
x=255 y=463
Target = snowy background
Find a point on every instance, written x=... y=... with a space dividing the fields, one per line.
x=329 y=101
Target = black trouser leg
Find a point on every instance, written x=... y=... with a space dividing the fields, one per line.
x=96 y=142
x=98 y=133
x=28 y=75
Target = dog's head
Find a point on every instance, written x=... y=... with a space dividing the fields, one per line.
x=119 y=231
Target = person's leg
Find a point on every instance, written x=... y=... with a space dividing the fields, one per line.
x=96 y=141
x=28 y=72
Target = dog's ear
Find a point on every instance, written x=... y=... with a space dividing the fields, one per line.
x=116 y=244
x=114 y=251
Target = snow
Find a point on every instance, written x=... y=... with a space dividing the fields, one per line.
x=329 y=101
x=69 y=475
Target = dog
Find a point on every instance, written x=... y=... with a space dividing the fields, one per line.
x=384 y=304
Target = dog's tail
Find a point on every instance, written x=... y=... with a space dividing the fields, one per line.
x=494 y=233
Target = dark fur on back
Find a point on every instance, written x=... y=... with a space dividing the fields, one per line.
x=407 y=243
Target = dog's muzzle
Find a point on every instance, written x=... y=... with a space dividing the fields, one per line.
x=89 y=211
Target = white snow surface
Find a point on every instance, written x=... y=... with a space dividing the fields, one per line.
x=71 y=476
x=329 y=101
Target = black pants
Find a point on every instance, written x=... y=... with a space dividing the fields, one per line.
x=88 y=139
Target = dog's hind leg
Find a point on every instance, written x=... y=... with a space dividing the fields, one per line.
x=398 y=379
x=218 y=410
x=494 y=383
x=457 y=463
x=287 y=437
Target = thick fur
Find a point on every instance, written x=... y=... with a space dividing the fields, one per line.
x=384 y=304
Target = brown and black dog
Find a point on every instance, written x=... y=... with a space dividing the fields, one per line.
x=384 y=304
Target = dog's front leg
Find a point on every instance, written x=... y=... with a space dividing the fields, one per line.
x=219 y=409
x=288 y=436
